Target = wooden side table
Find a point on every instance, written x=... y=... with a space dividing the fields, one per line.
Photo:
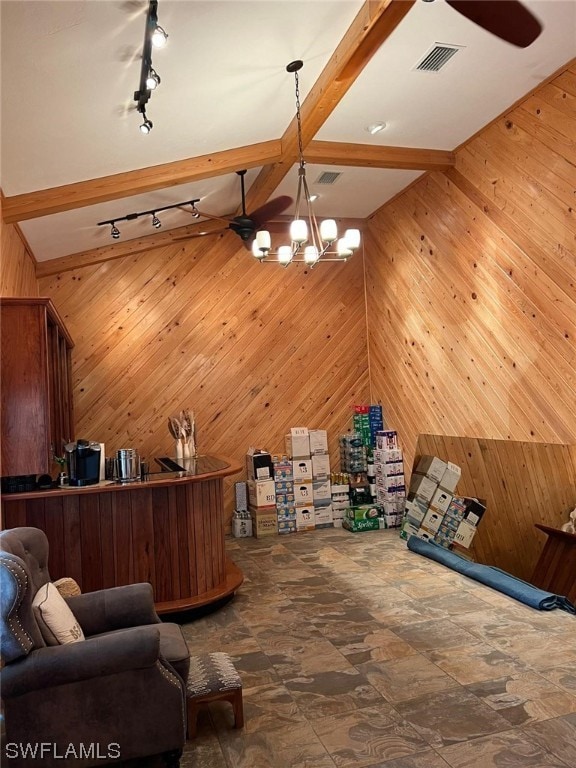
x=555 y=571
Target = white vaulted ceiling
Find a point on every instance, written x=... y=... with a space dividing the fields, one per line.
x=70 y=68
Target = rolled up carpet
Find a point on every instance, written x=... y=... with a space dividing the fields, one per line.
x=492 y=577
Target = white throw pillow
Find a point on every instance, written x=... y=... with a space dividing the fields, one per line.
x=57 y=623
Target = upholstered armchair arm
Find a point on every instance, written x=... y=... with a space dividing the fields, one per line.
x=116 y=608
x=52 y=666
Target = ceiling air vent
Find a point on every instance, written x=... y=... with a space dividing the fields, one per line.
x=328 y=177
x=437 y=57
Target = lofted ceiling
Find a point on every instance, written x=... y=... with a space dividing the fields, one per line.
x=72 y=154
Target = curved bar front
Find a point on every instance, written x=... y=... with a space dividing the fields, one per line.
x=167 y=530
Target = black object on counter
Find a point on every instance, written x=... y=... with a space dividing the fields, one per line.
x=44 y=482
x=18 y=483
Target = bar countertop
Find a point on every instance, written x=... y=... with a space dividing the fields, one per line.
x=199 y=468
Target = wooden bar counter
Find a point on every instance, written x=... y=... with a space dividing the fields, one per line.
x=167 y=530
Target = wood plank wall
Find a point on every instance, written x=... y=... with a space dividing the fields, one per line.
x=17 y=266
x=471 y=285
x=523 y=483
x=252 y=349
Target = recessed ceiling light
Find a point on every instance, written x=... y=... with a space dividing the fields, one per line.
x=375 y=128
x=313 y=197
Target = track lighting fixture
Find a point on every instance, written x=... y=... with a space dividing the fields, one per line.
x=310 y=242
x=154 y=36
x=156 y=223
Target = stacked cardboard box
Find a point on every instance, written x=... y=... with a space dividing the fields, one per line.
x=321 y=485
x=390 y=482
x=298 y=448
x=285 y=498
x=364 y=517
x=340 y=492
x=433 y=510
x=261 y=493
x=376 y=422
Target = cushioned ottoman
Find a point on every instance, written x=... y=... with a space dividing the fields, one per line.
x=212 y=677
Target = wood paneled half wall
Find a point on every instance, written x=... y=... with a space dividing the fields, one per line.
x=253 y=349
x=523 y=483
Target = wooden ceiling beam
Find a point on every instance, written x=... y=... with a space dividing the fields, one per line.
x=373 y=24
x=31 y=205
x=368 y=156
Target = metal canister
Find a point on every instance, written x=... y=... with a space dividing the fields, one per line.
x=127 y=465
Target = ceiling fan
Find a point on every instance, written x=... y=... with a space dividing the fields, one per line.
x=244 y=225
x=509 y=20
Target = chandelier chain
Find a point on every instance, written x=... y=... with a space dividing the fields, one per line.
x=298 y=120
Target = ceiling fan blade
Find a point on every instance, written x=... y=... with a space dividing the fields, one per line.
x=269 y=210
x=509 y=20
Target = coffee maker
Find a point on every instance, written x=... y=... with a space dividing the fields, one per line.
x=83 y=460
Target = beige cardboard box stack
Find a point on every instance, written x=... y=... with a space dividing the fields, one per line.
x=321 y=485
x=261 y=493
x=433 y=510
x=298 y=448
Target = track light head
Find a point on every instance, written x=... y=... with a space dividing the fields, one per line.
x=156 y=223
x=115 y=232
x=146 y=126
x=159 y=37
x=153 y=80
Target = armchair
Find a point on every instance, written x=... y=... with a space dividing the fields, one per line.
x=116 y=696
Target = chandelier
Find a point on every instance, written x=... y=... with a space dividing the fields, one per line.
x=310 y=242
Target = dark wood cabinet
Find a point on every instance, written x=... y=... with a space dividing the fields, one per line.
x=36 y=386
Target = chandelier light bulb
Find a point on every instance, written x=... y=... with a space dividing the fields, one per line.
x=343 y=249
x=311 y=254
x=159 y=37
x=328 y=230
x=256 y=252
x=263 y=241
x=299 y=231
x=285 y=255
x=352 y=237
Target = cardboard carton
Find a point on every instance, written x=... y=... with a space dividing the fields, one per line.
x=261 y=493
x=259 y=465
x=432 y=467
x=318 y=441
x=302 y=470
x=298 y=443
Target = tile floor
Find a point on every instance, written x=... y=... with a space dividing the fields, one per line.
x=356 y=652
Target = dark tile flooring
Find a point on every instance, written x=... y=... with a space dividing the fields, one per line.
x=354 y=651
